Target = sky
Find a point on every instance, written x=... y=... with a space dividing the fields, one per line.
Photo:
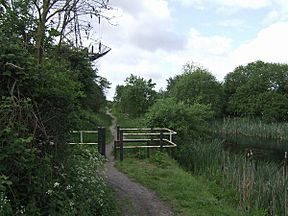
x=155 y=38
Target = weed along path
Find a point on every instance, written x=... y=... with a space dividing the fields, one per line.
x=133 y=198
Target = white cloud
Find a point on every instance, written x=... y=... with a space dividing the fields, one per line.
x=269 y=45
x=138 y=43
x=253 y=4
x=144 y=44
x=232 y=23
x=157 y=8
x=278 y=12
x=208 y=45
x=216 y=54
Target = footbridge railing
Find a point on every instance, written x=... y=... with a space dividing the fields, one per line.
x=143 y=138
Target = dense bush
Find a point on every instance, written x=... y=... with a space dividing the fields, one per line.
x=190 y=121
x=197 y=85
x=191 y=124
x=42 y=96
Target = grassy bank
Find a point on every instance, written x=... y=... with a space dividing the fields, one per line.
x=201 y=191
x=187 y=194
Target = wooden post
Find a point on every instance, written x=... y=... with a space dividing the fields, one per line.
x=161 y=139
x=103 y=143
x=99 y=139
x=121 y=145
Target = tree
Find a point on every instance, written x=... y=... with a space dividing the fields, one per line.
x=39 y=105
x=136 y=96
x=61 y=18
x=196 y=85
x=258 y=89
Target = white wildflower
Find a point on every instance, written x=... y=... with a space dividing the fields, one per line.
x=68 y=187
x=56 y=184
x=49 y=192
x=71 y=203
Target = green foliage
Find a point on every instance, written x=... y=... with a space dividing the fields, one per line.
x=187 y=194
x=190 y=121
x=22 y=162
x=39 y=105
x=252 y=128
x=197 y=85
x=258 y=89
x=79 y=190
x=201 y=155
x=125 y=120
x=136 y=96
x=92 y=85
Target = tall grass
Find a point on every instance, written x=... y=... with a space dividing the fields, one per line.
x=261 y=185
x=252 y=127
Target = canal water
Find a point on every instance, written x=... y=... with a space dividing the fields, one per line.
x=262 y=149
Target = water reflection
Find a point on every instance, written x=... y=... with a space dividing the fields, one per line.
x=263 y=149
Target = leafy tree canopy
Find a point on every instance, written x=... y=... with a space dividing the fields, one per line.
x=196 y=85
x=258 y=89
x=136 y=96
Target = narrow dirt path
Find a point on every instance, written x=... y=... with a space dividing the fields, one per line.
x=134 y=199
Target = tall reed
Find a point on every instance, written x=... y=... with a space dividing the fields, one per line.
x=252 y=127
x=260 y=184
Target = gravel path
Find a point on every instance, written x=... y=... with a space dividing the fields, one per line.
x=134 y=199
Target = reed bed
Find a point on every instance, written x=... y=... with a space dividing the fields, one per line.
x=260 y=184
x=252 y=127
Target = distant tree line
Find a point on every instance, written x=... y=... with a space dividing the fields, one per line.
x=256 y=90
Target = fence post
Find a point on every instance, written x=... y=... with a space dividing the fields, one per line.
x=99 y=139
x=118 y=133
x=121 y=145
x=151 y=143
x=103 y=143
x=81 y=136
x=115 y=149
x=161 y=139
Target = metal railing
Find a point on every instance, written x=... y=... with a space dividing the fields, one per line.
x=100 y=140
x=143 y=135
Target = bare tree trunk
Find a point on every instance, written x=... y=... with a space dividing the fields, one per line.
x=41 y=31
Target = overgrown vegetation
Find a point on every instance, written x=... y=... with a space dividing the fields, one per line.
x=258 y=90
x=48 y=87
x=253 y=128
x=192 y=105
x=135 y=97
x=197 y=85
x=187 y=194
